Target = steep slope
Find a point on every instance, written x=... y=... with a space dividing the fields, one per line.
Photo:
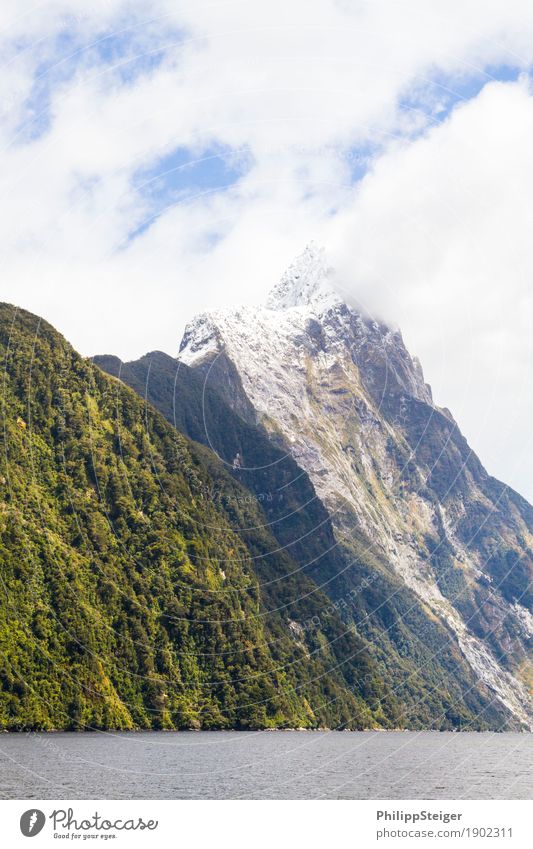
x=128 y=597
x=435 y=686
x=342 y=394
x=296 y=517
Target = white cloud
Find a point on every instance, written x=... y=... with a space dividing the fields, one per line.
x=435 y=238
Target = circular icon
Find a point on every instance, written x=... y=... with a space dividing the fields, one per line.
x=32 y=822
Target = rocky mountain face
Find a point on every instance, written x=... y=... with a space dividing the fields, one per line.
x=141 y=586
x=444 y=549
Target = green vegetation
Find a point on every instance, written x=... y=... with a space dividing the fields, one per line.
x=129 y=597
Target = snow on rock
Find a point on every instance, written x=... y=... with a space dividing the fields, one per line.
x=305 y=283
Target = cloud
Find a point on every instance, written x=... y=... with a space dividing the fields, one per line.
x=300 y=101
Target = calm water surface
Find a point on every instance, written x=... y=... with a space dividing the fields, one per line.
x=266 y=765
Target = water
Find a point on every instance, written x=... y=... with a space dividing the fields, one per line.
x=266 y=765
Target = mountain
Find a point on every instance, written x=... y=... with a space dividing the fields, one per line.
x=141 y=585
x=444 y=548
x=431 y=678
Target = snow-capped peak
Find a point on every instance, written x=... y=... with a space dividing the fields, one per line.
x=305 y=283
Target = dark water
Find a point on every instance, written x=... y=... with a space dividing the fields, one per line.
x=266 y=765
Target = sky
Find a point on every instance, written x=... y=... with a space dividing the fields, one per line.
x=164 y=158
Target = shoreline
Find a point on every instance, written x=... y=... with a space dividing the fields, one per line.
x=134 y=731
